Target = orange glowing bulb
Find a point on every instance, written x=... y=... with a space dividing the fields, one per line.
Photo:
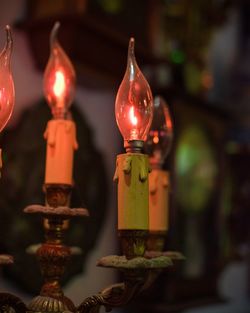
x=7 y=92
x=160 y=135
x=59 y=78
x=134 y=101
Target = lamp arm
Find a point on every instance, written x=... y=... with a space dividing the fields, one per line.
x=150 y=279
x=8 y=300
x=115 y=295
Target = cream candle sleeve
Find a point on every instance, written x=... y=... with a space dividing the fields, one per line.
x=132 y=176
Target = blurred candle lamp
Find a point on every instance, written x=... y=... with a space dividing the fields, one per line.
x=158 y=146
x=7 y=92
x=160 y=136
x=59 y=90
x=134 y=111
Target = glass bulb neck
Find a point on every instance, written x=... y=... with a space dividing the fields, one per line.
x=133 y=146
x=59 y=113
x=155 y=163
x=156 y=159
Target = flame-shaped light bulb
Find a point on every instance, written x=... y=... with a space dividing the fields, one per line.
x=134 y=102
x=160 y=135
x=7 y=91
x=59 y=78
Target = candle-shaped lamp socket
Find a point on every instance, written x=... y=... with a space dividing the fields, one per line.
x=133 y=110
x=59 y=89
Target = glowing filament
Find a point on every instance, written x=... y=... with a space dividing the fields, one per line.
x=132 y=116
x=59 y=85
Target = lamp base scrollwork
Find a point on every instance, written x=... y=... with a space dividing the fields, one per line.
x=138 y=274
x=10 y=303
x=53 y=257
x=51 y=305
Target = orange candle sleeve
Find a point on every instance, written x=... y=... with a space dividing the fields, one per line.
x=158 y=200
x=61 y=143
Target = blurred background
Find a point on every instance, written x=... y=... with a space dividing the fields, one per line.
x=196 y=54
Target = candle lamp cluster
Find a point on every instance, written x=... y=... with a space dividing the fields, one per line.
x=143 y=186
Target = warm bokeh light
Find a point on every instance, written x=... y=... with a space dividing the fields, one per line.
x=156 y=139
x=59 y=78
x=134 y=101
x=207 y=80
x=160 y=135
x=7 y=92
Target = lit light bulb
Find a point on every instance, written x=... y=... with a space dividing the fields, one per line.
x=59 y=78
x=7 y=92
x=160 y=135
x=134 y=102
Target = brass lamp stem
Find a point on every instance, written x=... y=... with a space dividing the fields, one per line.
x=53 y=255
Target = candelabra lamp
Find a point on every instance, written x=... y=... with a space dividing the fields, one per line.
x=157 y=146
x=134 y=112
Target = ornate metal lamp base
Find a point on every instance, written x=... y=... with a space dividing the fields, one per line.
x=48 y=304
x=139 y=267
x=133 y=242
x=53 y=257
x=139 y=274
x=135 y=264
